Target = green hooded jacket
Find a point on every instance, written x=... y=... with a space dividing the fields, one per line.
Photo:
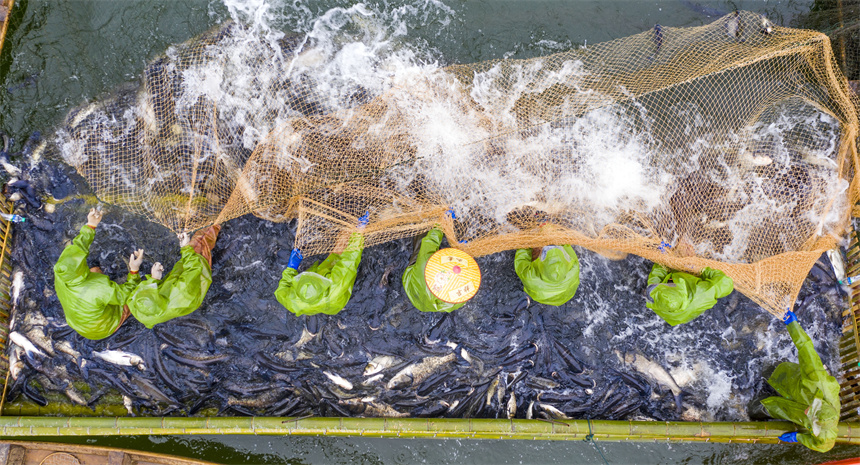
x=413 y=278
x=687 y=296
x=810 y=396
x=178 y=294
x=552 y=278
x=91 y=301
x=326 y=286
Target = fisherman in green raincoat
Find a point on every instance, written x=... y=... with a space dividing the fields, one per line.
x=93 y=304
x=182 y=291
x=413 y=278
x=810 y=396
x=679 y=297
x=326 y=286
x=553 y=277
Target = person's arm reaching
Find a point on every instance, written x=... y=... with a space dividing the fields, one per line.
x=429 y=245
x=523 y=264
x=718 y=281
x=288 y=277
x=72 y=264
x=345 y=270
x=125 y=289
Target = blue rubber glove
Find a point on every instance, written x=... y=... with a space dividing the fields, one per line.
x=364 y=220
x=295 y=259
x=788 y=437
x=789 y=317
x=451 y=213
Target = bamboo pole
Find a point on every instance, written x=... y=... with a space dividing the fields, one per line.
x=6 y=297
x=440 y=428
x=7 y=6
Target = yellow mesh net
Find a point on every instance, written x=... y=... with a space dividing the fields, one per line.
x=731 y=145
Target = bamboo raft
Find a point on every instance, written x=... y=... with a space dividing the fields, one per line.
x=42 y=453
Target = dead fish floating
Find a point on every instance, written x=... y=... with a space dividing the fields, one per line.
x=379 y=364
x=417 y=372
x=653 y=371
x=29 y=348
x=118 y=357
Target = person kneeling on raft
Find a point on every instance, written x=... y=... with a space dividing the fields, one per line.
x=93 y=304
x=553 y=277
x=679 y=297
x=157 y=300
x=413 y=277
x=810 y=396
x=326 y=286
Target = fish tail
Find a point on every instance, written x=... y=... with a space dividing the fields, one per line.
x=679 y=400
x=82 y=366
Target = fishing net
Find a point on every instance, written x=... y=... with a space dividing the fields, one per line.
x=730 y=145
x=840 y=20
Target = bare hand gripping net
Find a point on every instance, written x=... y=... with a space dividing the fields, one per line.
x=731 y=145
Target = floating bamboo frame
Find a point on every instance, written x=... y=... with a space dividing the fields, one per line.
x=849 y=345
x=428 y=428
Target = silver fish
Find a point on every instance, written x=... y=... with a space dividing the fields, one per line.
x=536 y=382
x=15 y=362
x=734 y=26
x=474 y=361
x=553 y=412
x=24 y=343
x=147 y=388
x=379 y=364
x=512 y=405
x=653 y=371
x=118 y=357
x=372 y=380
x=453 y=405
x=126 y=401
x=379 y=409
x=766 y=26
x=530 y=411
x=338 y=380
x=418 y=372
x=305 y=338
x=265 y=399
x=491 y=390
x=65 y=347
x=74 y=395
x=374 y=408
x=17 y=284
x=36 y=155
x=36 y=334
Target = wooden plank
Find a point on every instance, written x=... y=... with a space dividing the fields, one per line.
x=116 y=457
x=35 y=452
x=16 y=455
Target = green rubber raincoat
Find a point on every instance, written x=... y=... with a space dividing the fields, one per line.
x=178 y=294
x=552 y=278
x=326 y=286
x=810 y=396
x=413 y=278
x=91 y=301
x=686 y=296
